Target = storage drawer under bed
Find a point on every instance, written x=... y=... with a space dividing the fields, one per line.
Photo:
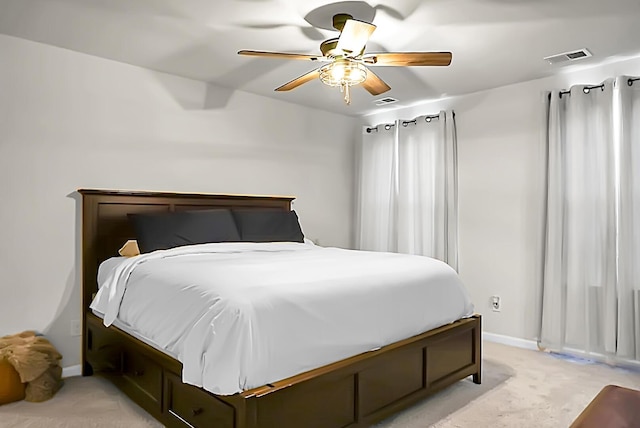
x=143 y=374
x=189 y=406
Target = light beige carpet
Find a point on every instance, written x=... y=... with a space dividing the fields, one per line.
x=520 y=389
x=544 y=390
x=83 y=402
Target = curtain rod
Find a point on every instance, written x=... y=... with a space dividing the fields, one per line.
x=388 y=126
x=586 y=89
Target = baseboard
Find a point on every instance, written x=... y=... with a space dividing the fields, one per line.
x=72 y=371
x=511 y=341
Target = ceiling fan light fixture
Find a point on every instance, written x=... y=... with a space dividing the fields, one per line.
x=343 y=73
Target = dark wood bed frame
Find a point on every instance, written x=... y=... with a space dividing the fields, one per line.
x=355 y=392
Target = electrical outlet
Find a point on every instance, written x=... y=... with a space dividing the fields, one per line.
x=75 y=328
x=496 y=303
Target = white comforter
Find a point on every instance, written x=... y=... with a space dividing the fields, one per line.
x=241 y=315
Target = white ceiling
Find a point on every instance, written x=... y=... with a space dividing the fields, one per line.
x=494 y=42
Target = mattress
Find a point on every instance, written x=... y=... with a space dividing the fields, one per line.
x=241 y=315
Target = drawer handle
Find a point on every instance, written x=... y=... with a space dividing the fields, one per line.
x=196 y=411
x=138 y=372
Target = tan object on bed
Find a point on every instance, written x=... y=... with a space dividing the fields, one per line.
x=129 y=249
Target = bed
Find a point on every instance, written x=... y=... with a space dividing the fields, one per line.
x=356 y=391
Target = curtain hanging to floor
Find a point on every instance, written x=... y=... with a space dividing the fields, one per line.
x=628 y=320
x=408 y=188
x=592 y=196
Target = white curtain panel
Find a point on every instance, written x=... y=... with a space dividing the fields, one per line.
x=376 y=230
x=591 y=272
x=628 y=343
x=580 y=270
x=408 y=188
x=427 y=198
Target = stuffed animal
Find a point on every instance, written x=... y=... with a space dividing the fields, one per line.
x=36 y=361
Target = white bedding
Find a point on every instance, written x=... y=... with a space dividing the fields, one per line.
x=241 y=315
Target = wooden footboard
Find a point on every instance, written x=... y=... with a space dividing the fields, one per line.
x=355 y=392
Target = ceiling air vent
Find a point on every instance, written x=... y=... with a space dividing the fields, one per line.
x=384 y=101
x=568 y=56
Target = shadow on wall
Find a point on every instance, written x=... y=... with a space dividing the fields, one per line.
x=217 y=97
x=59 y=331
x=188 y=95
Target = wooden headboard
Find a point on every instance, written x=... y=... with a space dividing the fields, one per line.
x=105 y=226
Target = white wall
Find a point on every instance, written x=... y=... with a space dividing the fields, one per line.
x=501 y=191
x=69 y=120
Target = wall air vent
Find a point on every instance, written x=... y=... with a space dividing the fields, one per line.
x=384 y=101
x=569 y=56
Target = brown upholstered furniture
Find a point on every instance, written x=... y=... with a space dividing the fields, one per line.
x=613 y=407
x=355 y=392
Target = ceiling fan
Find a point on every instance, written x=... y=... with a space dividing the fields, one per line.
x=347 y=63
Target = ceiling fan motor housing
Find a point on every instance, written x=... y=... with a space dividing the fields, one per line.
x=328 y=47
x=340 y=19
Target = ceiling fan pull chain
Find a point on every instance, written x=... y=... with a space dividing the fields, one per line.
x=347 y=93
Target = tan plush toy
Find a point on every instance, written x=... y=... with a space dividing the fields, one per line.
x=36 y=361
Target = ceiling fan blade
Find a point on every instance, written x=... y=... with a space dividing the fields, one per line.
x=282 y=55
x=408 y=58
x=354 y=37
x=299 y=81
x=374 y=84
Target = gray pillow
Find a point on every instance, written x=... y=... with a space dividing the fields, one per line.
x=268 y=225
x=161 y=231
